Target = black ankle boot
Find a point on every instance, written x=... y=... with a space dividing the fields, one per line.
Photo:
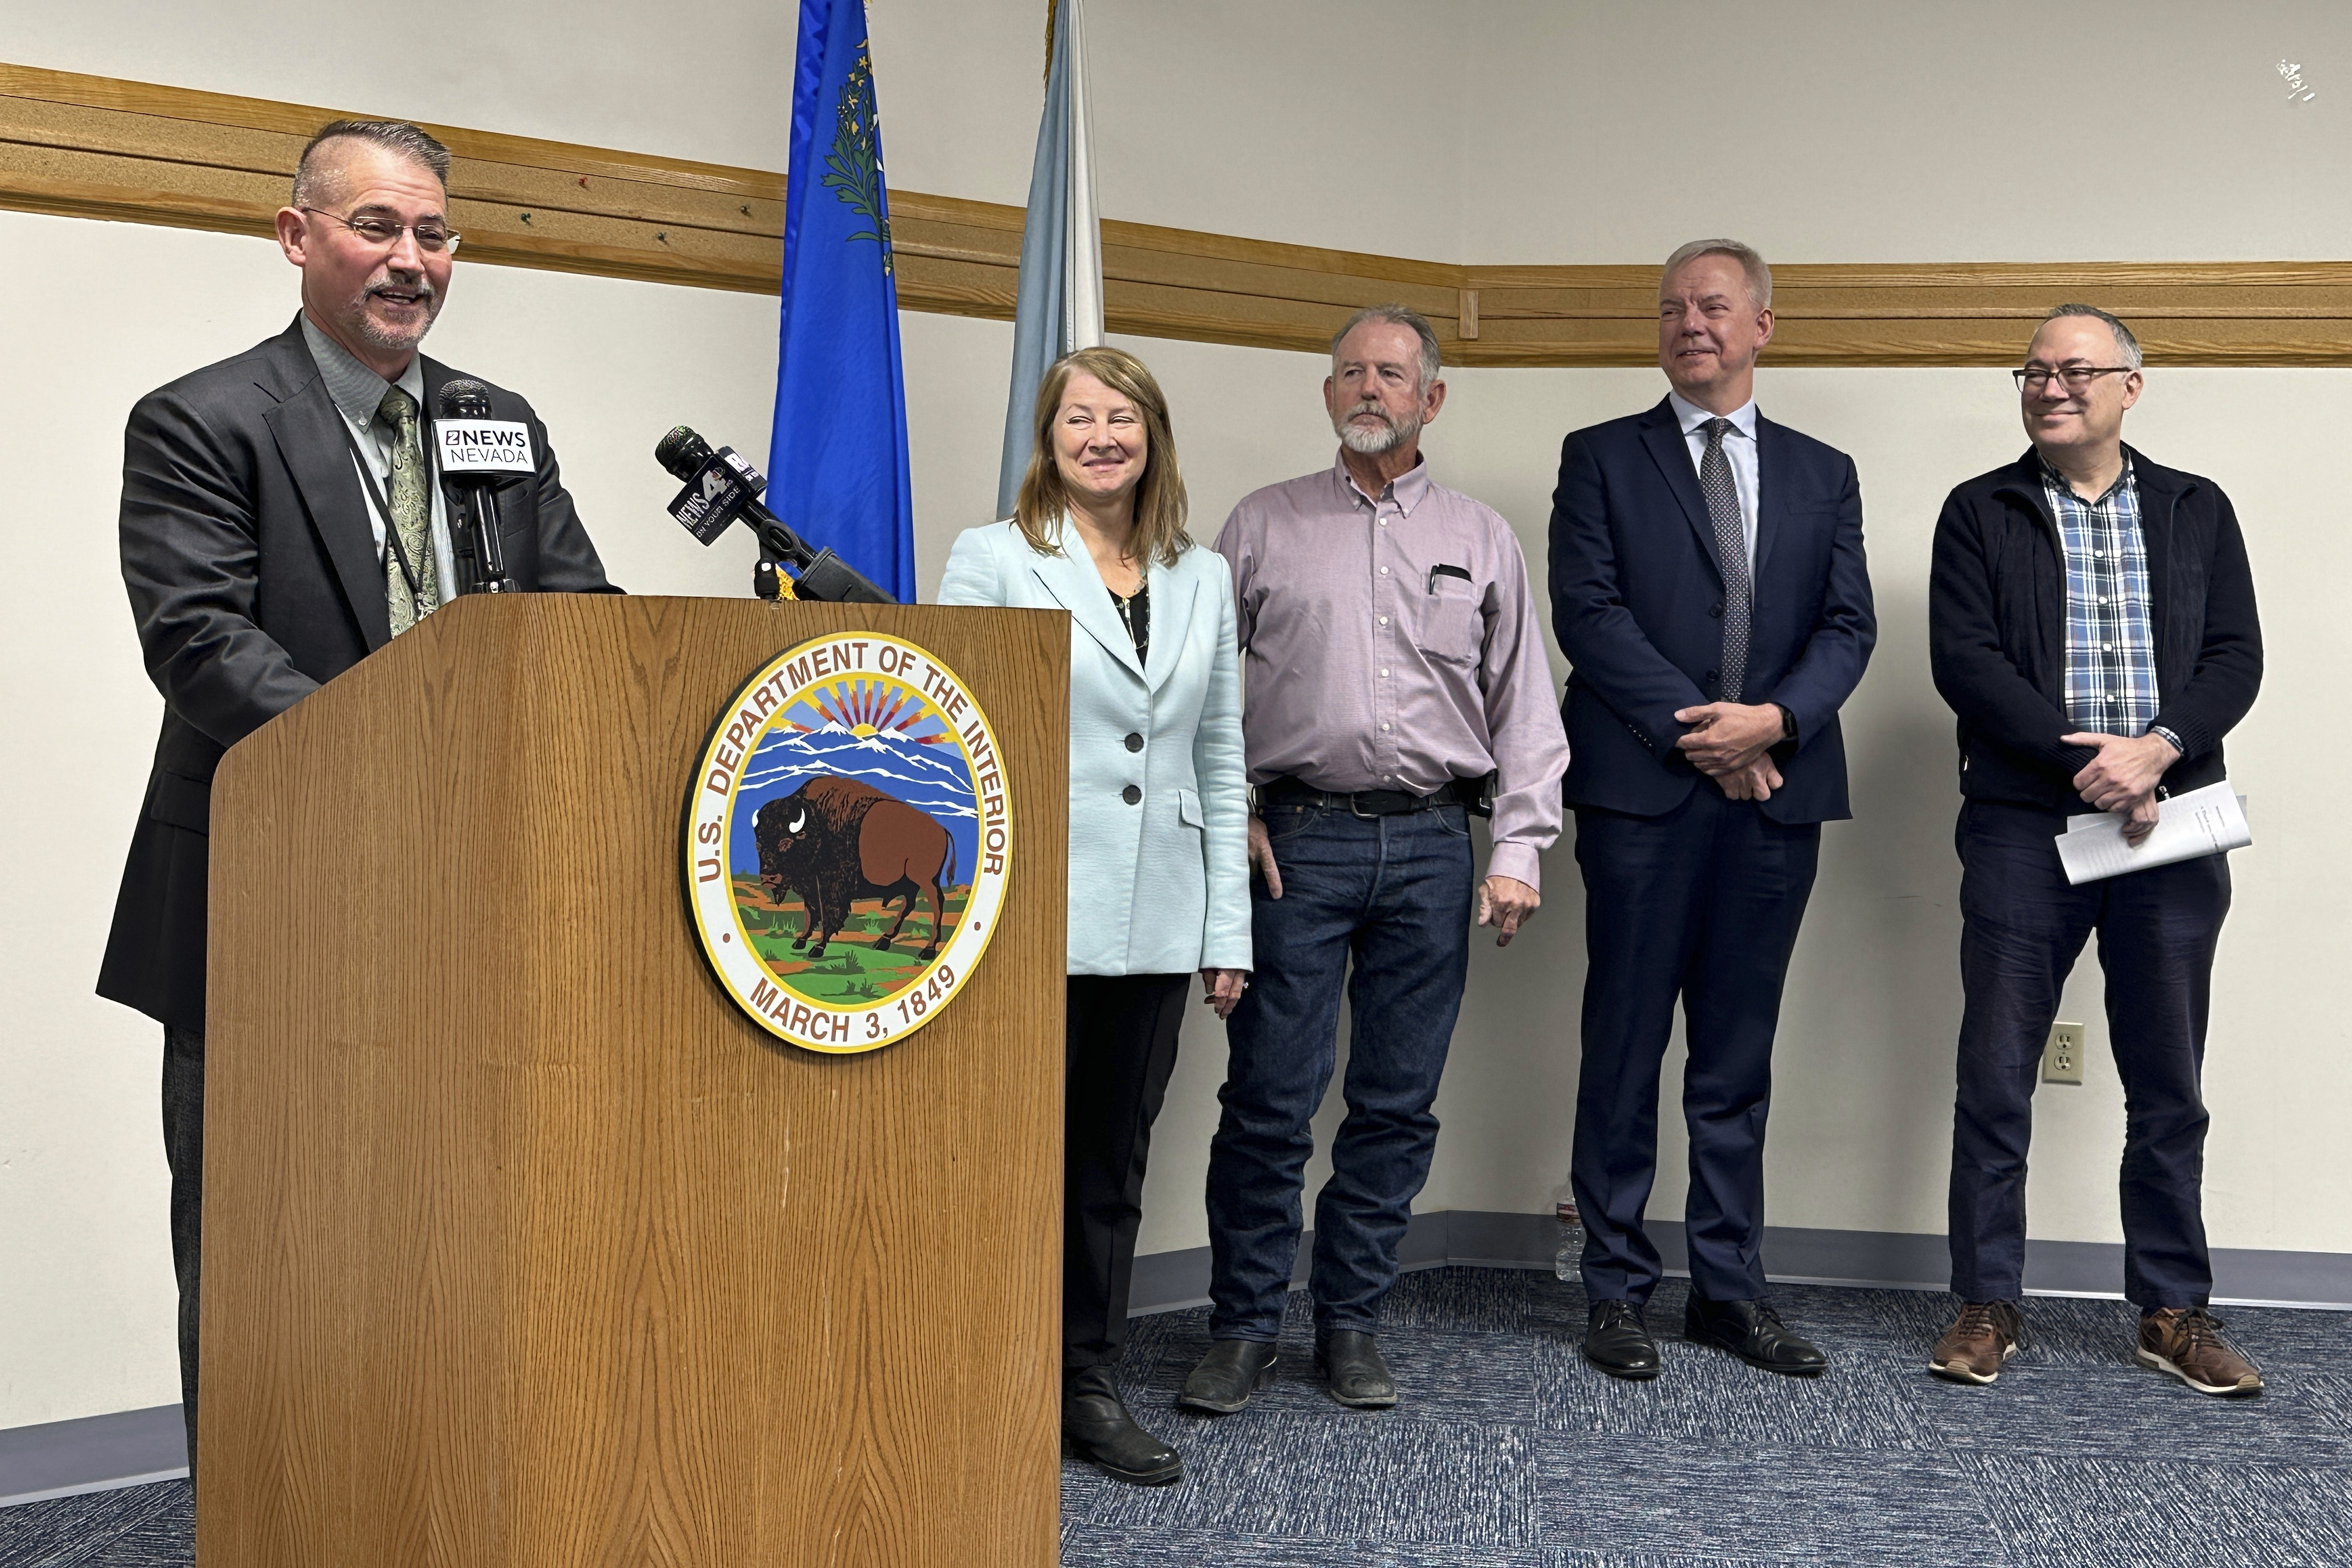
x=1100 y=1431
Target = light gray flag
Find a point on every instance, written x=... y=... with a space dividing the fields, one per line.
x=1060 y=306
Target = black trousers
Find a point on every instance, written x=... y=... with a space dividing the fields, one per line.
x=184 y=1151
x=1121 y=1047
x=2022 y=928
x=1702 y=903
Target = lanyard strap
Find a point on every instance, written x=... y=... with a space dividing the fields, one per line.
x=412 y=573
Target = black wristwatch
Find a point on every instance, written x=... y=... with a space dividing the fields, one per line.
x=1788 y=721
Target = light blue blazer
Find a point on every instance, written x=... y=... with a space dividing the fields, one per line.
x=1160 y=886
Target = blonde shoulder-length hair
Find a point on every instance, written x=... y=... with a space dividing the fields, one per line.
x=1159 y=496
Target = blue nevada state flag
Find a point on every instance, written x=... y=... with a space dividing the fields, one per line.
x=837 y=459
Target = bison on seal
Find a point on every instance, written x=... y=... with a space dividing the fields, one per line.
x=836 y=839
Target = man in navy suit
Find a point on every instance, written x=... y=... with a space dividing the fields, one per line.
x=1708 y=587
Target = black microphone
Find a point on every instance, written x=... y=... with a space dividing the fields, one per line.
x=722 y=489
x=475 y=449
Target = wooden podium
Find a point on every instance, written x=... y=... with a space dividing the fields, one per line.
x=523 y=1245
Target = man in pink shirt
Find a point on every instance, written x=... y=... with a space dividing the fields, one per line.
x=1395 y=685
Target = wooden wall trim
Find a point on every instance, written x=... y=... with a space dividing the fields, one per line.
x=95 y=147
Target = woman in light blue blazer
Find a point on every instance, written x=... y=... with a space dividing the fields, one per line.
x=1159 y=813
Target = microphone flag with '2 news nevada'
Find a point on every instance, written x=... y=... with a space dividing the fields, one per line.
x=837 y=463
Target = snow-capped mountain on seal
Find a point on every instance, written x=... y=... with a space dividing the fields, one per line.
x=930 y=778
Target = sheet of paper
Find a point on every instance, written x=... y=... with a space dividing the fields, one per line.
x=2096 y=818
x=2206 y=821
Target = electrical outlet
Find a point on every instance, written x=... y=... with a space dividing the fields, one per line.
x=2062 y=1059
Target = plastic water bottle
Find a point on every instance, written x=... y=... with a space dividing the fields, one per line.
x=1569 y=1251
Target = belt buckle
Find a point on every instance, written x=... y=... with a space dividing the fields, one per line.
x=1358 y=812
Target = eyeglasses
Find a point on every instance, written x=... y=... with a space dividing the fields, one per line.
x=431 y=237
x=2076 y=377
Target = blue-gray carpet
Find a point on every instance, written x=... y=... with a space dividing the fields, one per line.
x=137 y=1527
x=1509 y=1452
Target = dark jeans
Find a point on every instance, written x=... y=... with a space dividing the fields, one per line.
x=1702 y=903
x=1393 y=894
x=2023 y=929
x=1120 y=1040
x=184 y=1151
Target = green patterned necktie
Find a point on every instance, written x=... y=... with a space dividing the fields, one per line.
x=412 y=517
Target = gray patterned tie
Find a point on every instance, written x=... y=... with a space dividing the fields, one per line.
x=411 y=519
x=1730 y=554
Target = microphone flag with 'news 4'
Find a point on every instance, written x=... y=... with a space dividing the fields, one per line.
x=838 y=462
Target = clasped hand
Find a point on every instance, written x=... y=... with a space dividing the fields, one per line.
x=1728 y=742
x=2124 y=776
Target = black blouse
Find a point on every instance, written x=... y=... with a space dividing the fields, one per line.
x=1137 y=612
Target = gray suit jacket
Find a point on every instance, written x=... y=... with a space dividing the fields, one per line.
x=254 y=579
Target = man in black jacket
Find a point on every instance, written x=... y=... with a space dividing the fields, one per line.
x=279 y=523
x=2091 y=622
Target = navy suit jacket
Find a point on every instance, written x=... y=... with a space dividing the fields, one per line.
x=1637 y=603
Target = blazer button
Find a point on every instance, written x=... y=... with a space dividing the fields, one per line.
x=1715 y=610
x=1712 y=676
x=1135 y=743
x=1131 y=794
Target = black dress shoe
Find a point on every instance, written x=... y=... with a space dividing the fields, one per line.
x=1753 y=1331
x=1101 y=1432
x=1618 y=1342
x=1228 y=1376
x=1353 y=1372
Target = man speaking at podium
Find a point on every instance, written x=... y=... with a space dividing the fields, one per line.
x=279 y=523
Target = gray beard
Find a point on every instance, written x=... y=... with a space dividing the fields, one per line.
x=392 y=341
x=1371 y=442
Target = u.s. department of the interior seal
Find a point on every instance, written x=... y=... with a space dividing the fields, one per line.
x=848 y=835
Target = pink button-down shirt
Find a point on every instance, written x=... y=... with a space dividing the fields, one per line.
x=1389 y=642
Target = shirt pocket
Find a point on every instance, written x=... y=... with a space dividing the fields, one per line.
x=1451 y=627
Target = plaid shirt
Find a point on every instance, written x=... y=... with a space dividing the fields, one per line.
x=2110 y=649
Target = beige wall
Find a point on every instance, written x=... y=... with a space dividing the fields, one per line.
x=1518 y=132
x=1857 y=131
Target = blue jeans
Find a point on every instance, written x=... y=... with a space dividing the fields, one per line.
x=1393 y=894
x=2021 y=929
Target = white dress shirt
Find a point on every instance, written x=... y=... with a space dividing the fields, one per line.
x=1738 y=446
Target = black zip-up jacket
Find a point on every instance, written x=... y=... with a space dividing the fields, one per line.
x=1996 y=629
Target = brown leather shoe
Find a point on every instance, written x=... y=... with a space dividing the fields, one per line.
x=2187 y=1342
x=1979 y=1341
